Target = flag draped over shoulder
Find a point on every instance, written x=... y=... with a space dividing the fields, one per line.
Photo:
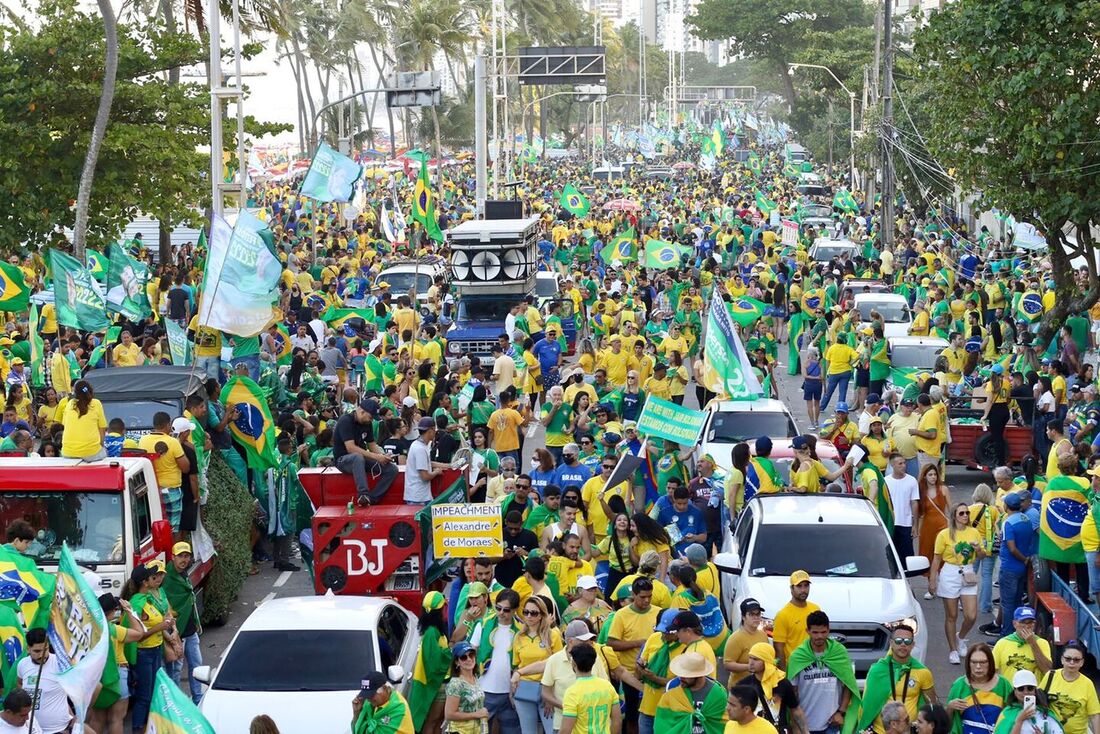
x=879 y=686
x=432 y=665
x=393 y=717
x=745 y=310
x=662 y=255
x=331 y=176
x=1063 y=510
x=77 y=297
x=14 y=646
x=726 y=368
x=677 y=713
x=242 y=277
x=24 y=588
x=14 y=293
x=254 y=428
x=764 y=204
x=423 y=209
x=78 y=634
x=574 y=202
x=836 y=659
x=126 y=281
x=172 y=712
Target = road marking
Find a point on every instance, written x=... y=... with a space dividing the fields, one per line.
x=283 y=578
x=266 y=599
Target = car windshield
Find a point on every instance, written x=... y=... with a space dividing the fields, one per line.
x=734 y=427
x=494 y=309
x=90 y=522
x=825 y=252
x=546 y=287
x=401 y=282
x=892 y=312
x=856 y=551
x=137 y=415
x=915 y=355
x=817 y=210
x=257 y=660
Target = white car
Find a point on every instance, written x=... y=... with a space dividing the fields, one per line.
x=731 y=421
x=910 y=355
x=856 y=576
x=825 y=249
x=894 y=309
x=300 y=661
x=402 y=274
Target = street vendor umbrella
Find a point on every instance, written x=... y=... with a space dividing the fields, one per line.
x=684 y=166
x=622 y=205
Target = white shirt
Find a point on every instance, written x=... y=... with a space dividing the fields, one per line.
x=510 y=325
x=318 y=328
x=865 y=422
x=52 y=705
x=302 y=342
x=902 y=492
x=416 y=489
x=498 y=677
x=6 y=728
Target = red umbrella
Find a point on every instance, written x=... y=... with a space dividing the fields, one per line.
x=684 y=166
x=622 y=205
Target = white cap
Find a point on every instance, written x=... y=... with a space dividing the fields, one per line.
x=1024 y=678
x=587 y=582
x=181 y=425
x=409 y=401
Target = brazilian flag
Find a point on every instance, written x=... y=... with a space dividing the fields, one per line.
x=24 y=588
x=755 y=165
x=254 y=427
x=282 y=342
x=1030 y=308
x=845 y=202
x=662 y=255
x=574 y=201
x=764 y=204
x=335 y=317
x=14 y=293
x=745 y=310
x=621 y=248
x=813 y=299
x=14 y=646
x=98 y=264
x=423 y=209
x=1064 y=507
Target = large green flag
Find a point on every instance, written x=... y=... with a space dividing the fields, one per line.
x=764 y=204
x=126 y=280
x=38 y=375
x=662 y=255
x=97 y=264
x=13 y=646
x=178 y=344
x=423 y=208
x=844 y=201
x=77 y=299
x=745 y=310
x=254 y=427
x=14 y=293
x=242 y=277
x=726 y=368
x=574 y=201
x=331 y=176
x=172 y=712
x=1064 y=507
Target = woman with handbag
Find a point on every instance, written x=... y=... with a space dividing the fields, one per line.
x=536 y=641
x=954 y=578
x=151 y=606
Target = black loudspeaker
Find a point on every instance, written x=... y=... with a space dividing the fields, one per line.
x=506 y=209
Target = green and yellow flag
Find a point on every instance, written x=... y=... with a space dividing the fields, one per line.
x=254 y=427
x=14 y=646
x=14 y=293
x=574 y=202
x=433 y=662
x=25 y=589
x=172 y=712
x=662 y=255
x=423 y=209
x=38 y=373
x=621 y=248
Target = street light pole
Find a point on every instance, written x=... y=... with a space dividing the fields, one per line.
x=852 y=113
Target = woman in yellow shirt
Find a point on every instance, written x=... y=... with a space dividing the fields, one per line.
x=536 y=640
x=50 y=412
x=953 y=575
x=17 y=398
x=650 y=536
x=878 y=444
x=678 y=376
x=85 y=425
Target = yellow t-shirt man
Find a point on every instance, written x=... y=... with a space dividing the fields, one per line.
x=1010 y=656
x=841 y=358
x=589 y=702
x=790 y=625
x=167 y=470
x=929 y=421
x=125 y=355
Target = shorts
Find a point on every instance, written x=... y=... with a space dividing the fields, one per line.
x=173 y=506
x=950 y=583
x=500 y=708
x=811 y=390
x=863 y=377
x=124 y=682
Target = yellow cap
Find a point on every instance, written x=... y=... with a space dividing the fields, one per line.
x=181 y=547
x=799 y=577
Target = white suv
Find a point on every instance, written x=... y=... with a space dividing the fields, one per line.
x=855 y=574
x=732 y=421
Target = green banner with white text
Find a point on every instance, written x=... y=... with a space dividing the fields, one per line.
x=663 y=419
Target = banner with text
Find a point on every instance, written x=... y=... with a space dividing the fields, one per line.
x=467 y=530
x=664 y=419
x=790 y=233
x=727 y=371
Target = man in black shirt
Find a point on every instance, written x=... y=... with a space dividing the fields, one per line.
x=518 y=542
x=1022 y=394
x=179 y=303
x=355 y=452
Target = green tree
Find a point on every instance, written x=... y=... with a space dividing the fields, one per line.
x=776 y=31
x=1013 y=108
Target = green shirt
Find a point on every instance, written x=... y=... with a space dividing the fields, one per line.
x=480 y=412
x=556 y=432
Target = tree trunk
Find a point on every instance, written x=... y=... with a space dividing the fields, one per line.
x=303 y=76
x=788 y=82
x=99 y=129
x=1070 y=298
x=389 y=111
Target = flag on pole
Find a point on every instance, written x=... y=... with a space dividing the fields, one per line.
x=126 y=281
x=662 y=255
x=764 y=204
x=331 y=176
x=78 y=635
x=38 y=374
x=254 y=428
x=14 y=293
x=77 y=297
x=574 y=202
x=726 y=368
x=172 y=712
x=718 y=138
x=178 y=344
x=242 y=277
x=423 y=210
x=845 y=202
x=620 y=248
x=97 y=264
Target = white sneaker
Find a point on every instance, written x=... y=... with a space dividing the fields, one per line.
x=928 y=596
x=962 y=646
x=953 y=657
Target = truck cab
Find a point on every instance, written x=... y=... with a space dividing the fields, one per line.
x=135 y=394
x=109 y=512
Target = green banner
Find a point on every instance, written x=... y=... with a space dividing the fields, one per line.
x=126 y=280
x=77 y=298
x=177 y=342
x=663 y=419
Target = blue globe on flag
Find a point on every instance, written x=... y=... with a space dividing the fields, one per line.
x=250 y=422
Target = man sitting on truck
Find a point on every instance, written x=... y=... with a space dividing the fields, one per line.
x=355 y=452
x=169 y=463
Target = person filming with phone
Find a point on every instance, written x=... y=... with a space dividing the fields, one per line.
x=1029 y=712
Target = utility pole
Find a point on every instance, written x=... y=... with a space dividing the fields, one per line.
x=887 y=224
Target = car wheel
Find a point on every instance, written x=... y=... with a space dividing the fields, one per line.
x=984 y=452
x=1042 y=579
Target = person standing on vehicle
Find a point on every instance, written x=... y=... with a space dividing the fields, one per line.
x=190 y=493
x=15 y=717
x=181 y=596
x=821 y=672
x=998 y=395
x=170 y=463
x=85 y=425
x=38 y=673
x=790 y=622
x=379 y=708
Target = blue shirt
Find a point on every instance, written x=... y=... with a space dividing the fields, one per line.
x=547 y=352
x=539 y=479
x=112 y=444
x=1017 y=528
x=690 y=521
x=576 y=475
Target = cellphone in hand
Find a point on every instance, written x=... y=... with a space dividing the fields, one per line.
x=1029 y=701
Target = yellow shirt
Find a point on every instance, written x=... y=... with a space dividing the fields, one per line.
x=790 y=625
x=920 y=680
x=505 y=423
x=126 y=356
x=60 y=374
x=208 y=342
x=567 y=572
x=758 y=725
x=527 y=650
x=929 y=421
x=589 y=702
x=740 y=642
x=958 y=551
x=956 y=358
x=700 y=646
x=616 y=366
x=1011 y=656
x=840 y=357
x=150 y=617
x=662 y=597
x=590 y=494
x=82 y=436
x=1073 y=702
x=660 y=388
x=1090 y=536
x=808 y=477
x=651 y=695
x=165 y=466
x=629 y=625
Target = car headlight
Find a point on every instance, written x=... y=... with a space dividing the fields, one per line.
x=454 y=347
x=907 y=621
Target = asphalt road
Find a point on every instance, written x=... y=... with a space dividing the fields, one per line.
x=269 y=583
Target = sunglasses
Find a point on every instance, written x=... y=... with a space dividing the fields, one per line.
x=609 y=467
x=532 y=613
x=903 y=640
x=523 y=486
x=1067 y=659
x=501 y=609
x=960 y=513
x=468 y=656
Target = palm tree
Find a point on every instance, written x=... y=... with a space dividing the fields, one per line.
x=99 y=128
